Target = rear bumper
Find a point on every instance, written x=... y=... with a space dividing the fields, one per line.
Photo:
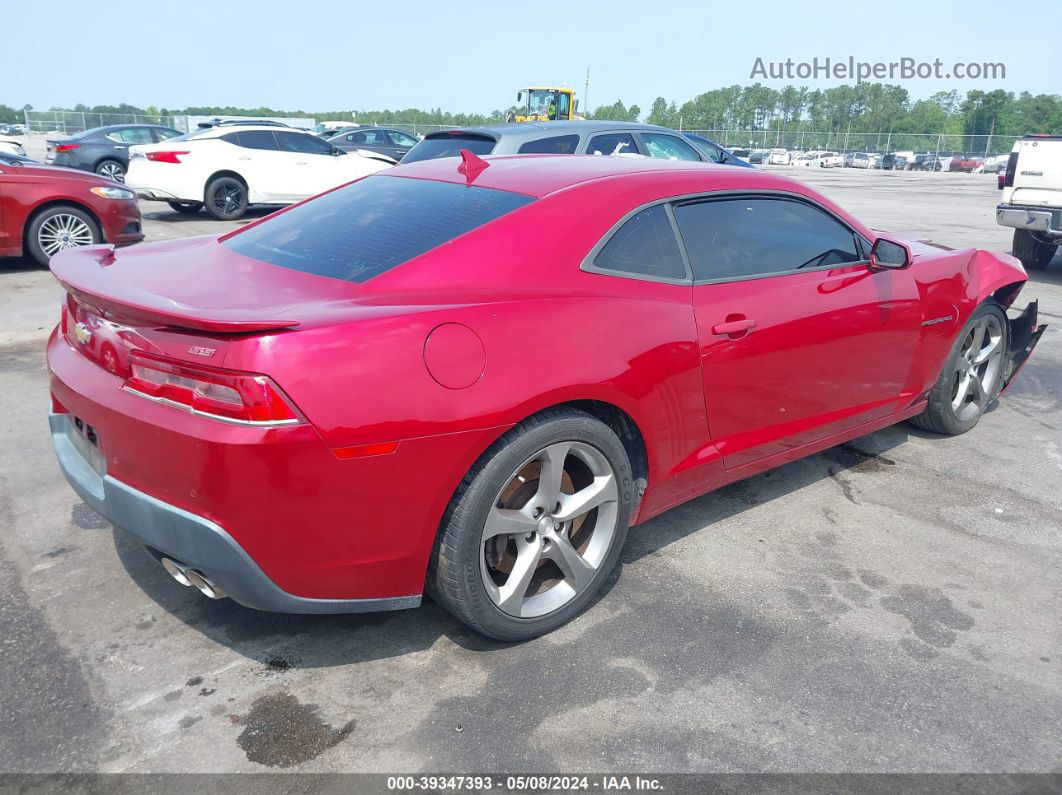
x=189 y=539
x=1047 y=220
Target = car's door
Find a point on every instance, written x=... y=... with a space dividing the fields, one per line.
x=119 y=141
x=371 y=140
x=269 y=172
x=800 y=339
x=401 y=143
x=314 y=166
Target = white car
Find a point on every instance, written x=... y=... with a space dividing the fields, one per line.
x=226 y=168
x=995 y=164
x=861 y=160
x=820 y=160
x=779 y=157
x=10 y=147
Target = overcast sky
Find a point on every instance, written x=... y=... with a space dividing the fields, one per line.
x=473 y=56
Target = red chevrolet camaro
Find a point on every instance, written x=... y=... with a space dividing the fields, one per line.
x=472 y=376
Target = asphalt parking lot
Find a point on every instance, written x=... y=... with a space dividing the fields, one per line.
x=893 y=604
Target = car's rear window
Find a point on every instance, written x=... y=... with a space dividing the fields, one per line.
x=450 y=145
x=372 y=225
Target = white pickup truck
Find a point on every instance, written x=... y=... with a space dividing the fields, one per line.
x=1032 y=199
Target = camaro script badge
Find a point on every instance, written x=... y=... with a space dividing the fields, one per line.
x=198 y=351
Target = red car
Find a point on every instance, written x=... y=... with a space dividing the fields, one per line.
x=967 y=164
x=473 y=375
x=47 y=209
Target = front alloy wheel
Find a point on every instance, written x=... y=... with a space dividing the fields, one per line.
x=64 y=230
x=972 y=376
x=977 y=368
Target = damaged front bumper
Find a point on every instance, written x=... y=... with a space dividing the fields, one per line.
x=1024 y=334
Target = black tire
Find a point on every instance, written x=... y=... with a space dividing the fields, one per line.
x=940 y=415
x=36 y=247
x=111 y=169
x=225 y=198
x=456 y=574
x=186 y=208
x=1033 y=253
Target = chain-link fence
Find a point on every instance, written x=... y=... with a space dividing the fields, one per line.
x=68 y=122
x=846 y=141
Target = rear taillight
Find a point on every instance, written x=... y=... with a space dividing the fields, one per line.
x=66 y=147
x=245 y=398
x=164 y=157
x=1012 y=166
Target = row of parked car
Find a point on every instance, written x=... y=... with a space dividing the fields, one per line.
x=898 y=161
x=77 y=197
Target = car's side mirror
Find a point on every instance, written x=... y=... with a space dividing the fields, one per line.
x=889 y=255
x=519 y=96
x=337 y=151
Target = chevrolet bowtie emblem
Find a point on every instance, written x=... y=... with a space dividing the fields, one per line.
x=82 y=333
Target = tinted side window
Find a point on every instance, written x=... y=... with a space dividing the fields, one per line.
x=132 y=135
x=165 y=135
x=302 y=142
x=612 y=144
x=369 y=138
x=668 y=147
x=738 y=238
x=399 y=138
x=558 y=145
x=256 y=139
x=644 y=245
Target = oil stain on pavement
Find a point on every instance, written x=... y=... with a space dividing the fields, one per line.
x=280 y=731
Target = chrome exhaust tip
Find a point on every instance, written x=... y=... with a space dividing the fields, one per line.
x=203 y=585
x=176 y=571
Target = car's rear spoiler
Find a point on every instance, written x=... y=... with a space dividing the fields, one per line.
x=83 y=273
x=1024 y=334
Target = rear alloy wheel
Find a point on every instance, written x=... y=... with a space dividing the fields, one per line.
x=1034 y=253
x=973 y=375
x=186 y=208
x=112 y=170
x=226 y=198
x=535 y=530
x=57 y=229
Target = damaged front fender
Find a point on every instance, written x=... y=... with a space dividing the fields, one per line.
x=1024 y=334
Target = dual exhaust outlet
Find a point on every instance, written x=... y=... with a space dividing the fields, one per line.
x=187 y=576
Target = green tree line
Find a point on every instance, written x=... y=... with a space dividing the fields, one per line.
x=864 y=108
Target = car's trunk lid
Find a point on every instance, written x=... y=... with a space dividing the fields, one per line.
x=194 y=284
x=189 y=299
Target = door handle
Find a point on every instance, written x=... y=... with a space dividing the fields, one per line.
x=736 y=326
x=300 y=162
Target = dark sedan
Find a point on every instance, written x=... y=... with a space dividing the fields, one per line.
x=105 y=150
x=381 y=140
